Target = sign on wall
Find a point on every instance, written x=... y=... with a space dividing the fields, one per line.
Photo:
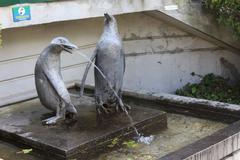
x=21 y=13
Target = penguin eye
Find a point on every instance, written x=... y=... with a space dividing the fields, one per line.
x=61 y=41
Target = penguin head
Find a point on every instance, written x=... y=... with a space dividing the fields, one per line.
x=110 y=20
x=64 y=43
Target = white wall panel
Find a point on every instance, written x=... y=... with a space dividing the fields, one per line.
x=160 y=57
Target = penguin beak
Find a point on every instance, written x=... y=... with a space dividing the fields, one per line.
x=107 y=17
x=69 y=47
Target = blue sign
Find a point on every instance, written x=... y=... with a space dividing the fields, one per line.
x=22 y=13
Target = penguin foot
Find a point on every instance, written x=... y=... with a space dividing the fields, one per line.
x=72 y=116
x=102 y=110
x=127 y=107
x=52 y=121
x=123 y=108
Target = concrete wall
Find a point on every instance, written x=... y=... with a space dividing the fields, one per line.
x=65 y=10
x=188 y=14
x=159 y=57
x=234 y=156
x=191 y=15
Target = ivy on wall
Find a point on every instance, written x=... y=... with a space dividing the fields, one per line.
x=228 y=13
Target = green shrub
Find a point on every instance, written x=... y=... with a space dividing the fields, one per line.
x=228 y=13
x=212 y=87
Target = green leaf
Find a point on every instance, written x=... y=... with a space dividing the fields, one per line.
x=194 y=90
x=114 y=142
x=130 y=144
x=26 y=151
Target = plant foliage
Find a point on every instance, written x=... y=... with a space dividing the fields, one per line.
x=228 y=13
x=130 y=144
x=212 y=87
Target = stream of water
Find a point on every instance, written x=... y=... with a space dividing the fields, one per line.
x=140 y=138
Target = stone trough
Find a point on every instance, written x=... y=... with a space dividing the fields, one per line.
x=21 y=124
x=218 y=146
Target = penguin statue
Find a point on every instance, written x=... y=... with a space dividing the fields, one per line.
x=50 y=87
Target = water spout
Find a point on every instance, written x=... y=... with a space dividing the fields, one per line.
x=105 y=78
x=140 y=138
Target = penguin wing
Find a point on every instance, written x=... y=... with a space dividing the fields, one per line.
x=86 y=72
x=55 y=80
x=124 y=63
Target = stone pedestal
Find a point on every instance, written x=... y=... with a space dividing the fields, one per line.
x=21 y=124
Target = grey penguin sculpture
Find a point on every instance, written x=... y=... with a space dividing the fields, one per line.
x=110 y=59
x=50 y=87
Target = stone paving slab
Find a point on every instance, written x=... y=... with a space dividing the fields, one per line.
x=21 y=124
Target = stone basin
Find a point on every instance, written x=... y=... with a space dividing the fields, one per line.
x=21 y=125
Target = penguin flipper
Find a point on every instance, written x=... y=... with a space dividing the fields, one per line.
x=86 y=73
x=124 y=63
x=55 y=80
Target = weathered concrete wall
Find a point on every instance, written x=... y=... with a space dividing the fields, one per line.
x=160 y=57
x=192 y=16
x=188 y=14
x=66 y=10
x=234 y=156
